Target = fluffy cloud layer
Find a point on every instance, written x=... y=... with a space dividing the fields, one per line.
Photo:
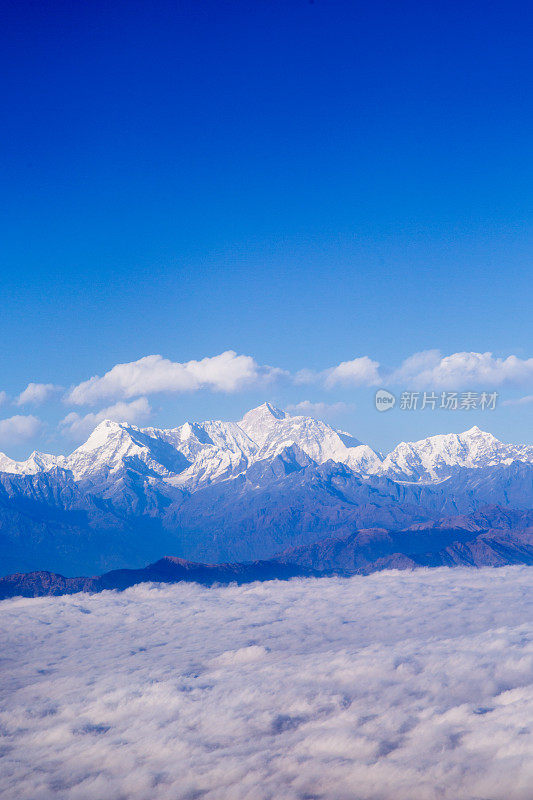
x=399 y=686
x=19 y=428
x=227 y=372
x=37 y=393
x=78 y=425
x=427 y=369
x=462 y=370
x=230 y=372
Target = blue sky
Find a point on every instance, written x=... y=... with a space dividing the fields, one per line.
x=302 y=183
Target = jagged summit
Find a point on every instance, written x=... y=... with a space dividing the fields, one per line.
x=476 y=432
x=263 y=414
x=274 y=430
x=276 y=412
x=239 y=490
x=437 y=456
x=36 y=462
x=105 y=430
x=199 y=453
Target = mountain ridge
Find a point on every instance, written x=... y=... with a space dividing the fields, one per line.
x=360 y=553
x=239 y=491
x=196 y=453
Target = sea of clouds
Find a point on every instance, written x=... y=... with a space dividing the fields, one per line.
x=397 y=686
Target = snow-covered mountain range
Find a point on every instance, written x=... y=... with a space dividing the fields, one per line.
x=195 y=454
x=239 y=490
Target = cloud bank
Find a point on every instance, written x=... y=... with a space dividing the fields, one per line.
x=397 y=686
x=426 y=369
x=124 y=390
x=462 y=370
x=227 y=372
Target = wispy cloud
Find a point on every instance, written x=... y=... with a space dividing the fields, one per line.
x=399 y=685
x=78 y=425
x=521 y=401
x=306 y=408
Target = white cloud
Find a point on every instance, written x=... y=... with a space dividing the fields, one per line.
x=358 y=372
x=416 y=365
x=521 y=401
x=77 y=425
x=362 y=371
x=308 y=409
x=19 y=428
x=409 y=686
x=3 y=398
x=428 y=368
x=37 y=393
x=227 y=372
x=461 y=370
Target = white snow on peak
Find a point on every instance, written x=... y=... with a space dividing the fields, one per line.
x=258 y=422
x=274 y=430
x=104 y=432
x=198 y=453
x=435 y=456
x=105 y=450
x=37 y=462
x=215 y=450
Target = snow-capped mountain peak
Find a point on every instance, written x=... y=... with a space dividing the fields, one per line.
x=105 y=431
x=258 y=422
x=195 y=454
x=476 y=434
x=274 y=430
x=36 y=462
x=437 y=456
x=107 y=449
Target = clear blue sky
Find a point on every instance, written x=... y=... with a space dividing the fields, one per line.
x=304 y=183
